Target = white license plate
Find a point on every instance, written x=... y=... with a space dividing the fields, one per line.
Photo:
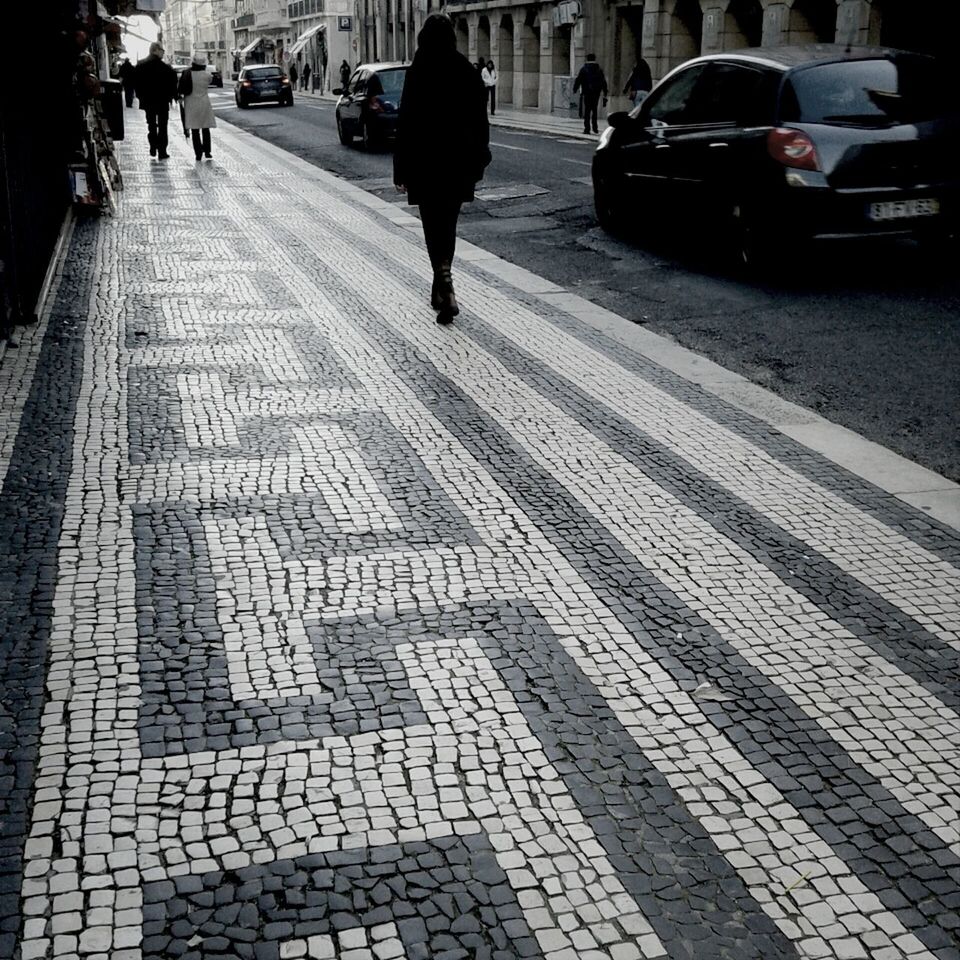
x=903 y=209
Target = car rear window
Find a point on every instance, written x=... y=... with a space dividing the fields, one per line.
x=260 y=72
x=387 y=83
x=882 y=92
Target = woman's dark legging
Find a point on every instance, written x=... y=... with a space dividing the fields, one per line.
x=492 y=92
x=439 y=219
x=201 y=146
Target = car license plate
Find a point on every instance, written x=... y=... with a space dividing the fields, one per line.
x=903 y=209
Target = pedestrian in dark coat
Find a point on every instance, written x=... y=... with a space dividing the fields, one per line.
x=294 y=73
x=639 y=82
x=344 y=75
x=442 y=147
x=593 y=83
x=156 y=84
x=306 y=76
x=127 y=72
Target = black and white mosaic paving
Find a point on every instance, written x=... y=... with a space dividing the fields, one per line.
x=330 y=633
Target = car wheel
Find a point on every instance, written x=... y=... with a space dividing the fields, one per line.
x=345 y=138
x=241 y=103
x=608 y=212
x=288 y=102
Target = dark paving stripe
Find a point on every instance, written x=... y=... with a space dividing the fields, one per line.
x=875 y=621
x=445 y=894
x=31 y=514
x=684 y=886
x=941 y=540
x=841 y=801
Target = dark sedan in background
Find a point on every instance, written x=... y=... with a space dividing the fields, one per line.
x=368 y=106
x=789 y=144
x=262 y=83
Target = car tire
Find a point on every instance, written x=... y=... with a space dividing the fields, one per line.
x=610 y=217
x=241 y=104
x=345 y=138
x=288 y=101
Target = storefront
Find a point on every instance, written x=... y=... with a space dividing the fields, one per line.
x=310 y=48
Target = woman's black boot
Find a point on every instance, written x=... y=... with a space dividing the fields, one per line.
x=447 y=299
x=435 y=300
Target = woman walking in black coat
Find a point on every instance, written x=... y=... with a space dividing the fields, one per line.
x=442 y=147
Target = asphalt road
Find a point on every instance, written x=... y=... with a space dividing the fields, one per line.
x=867 y=336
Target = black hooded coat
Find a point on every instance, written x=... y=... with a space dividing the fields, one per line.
x=443 y=136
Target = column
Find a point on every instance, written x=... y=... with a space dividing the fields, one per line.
x=545 y=71
x=858 y=21
x=776 y=24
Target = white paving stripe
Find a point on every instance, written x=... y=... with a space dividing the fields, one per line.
x=479 y=499
x=898 y=569
x=894 y=727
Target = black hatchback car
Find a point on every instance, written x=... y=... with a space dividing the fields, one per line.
x=788 y=144
x=262 y=83
x=369 y=105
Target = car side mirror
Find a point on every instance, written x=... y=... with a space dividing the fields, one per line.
x=618 y=119
x=337 y=91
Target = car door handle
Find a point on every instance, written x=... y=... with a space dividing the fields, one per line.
x=662 y=146
x=717 y=146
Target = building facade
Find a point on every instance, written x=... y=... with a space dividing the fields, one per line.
x=538 y=47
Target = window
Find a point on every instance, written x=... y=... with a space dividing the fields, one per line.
x=388 y=83
x=904 y=89
x=669 y=104
x=733 y=94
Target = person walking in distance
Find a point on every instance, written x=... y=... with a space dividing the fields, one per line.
x=156 y=86
x=489 y=76
x=442 y=147
x=639 y=83
x=198 y=115
x=344 y=75
x=294 y=73
x=306 y=76
x=591 y=81
x=127 y=72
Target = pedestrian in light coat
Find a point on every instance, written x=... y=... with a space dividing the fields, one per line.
x=198 y=115
x=442 y=147
x=593 y=83
x=489 y=76
x=156 y=85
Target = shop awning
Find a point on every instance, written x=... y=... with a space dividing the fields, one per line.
x=304 y=38
x=250 y=47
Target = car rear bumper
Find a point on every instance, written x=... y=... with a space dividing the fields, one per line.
x=824 y=213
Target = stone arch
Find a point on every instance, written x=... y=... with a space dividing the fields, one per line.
x=812 y=21
x=463 y=36
x=685 y=36
x=483 y=39
x=505 y=64
x=744 y=24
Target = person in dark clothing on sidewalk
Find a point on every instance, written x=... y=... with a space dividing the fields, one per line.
x=591 y=81
x=344 y=75
x=639 y=83
x=156 y=84
x=294 y=73
x=442 y=147
x=127 y=73
x=306 y=76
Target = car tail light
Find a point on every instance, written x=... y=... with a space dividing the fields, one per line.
x=246 y=83
x=792 y=148
x=284 y=80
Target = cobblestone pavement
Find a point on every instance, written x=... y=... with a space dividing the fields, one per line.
x=329 y=632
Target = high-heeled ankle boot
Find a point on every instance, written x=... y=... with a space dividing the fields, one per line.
x=435 y=300
x=447 y=298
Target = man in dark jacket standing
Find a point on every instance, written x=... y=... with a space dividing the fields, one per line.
x=156 y=84
x=591 y=81
x=126 y=74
